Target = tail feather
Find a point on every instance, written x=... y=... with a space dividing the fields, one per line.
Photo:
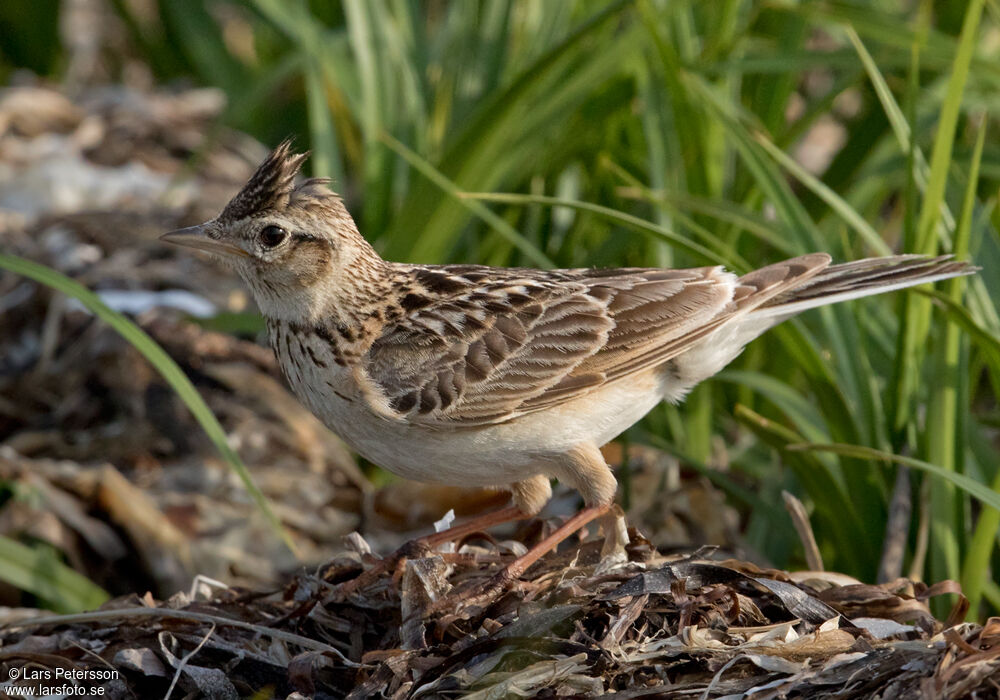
x=862 y=278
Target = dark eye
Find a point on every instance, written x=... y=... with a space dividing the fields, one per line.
x=273 y=236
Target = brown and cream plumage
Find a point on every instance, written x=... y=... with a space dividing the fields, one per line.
x=467 y=374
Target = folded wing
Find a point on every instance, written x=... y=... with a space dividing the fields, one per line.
x=490 y=351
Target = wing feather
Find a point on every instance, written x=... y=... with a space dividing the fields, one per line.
x=503 y=343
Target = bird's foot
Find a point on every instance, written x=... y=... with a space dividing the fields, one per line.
x=485 y=594
x=421 y=546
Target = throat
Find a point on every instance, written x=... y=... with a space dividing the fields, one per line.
x=338 y=331
x=319 y=347
x=346 y=304
x=329 y=303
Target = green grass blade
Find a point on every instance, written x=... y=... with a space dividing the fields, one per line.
x=897 y=119
x=659 y=232
x=807 y=419
x=661 y=148
x=945 y=514
x=39 y=571
x=325 y=151
x=766 y=175
x=840 y=518
x=899 y=123
x=834 y=200
x=162 y=362
x=985 y=339
x=976 y=571
x=724 y=212
x=500 y=139
x=893 y=31
x=981 y=492
x=944 y=416
x=828 y=373
x=945 y=138
x=495 y=222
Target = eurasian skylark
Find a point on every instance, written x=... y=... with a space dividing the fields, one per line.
x=506 y=377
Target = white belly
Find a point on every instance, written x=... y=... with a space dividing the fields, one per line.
x=489 y=455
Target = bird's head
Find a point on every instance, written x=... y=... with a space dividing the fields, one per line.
x=295 y=246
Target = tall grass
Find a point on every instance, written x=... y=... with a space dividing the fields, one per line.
x=584 y=132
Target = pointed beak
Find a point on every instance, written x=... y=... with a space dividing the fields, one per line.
x=195 y=237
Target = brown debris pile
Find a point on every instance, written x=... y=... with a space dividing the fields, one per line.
x=686 y=627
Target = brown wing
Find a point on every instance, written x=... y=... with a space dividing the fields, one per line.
x=492 y=351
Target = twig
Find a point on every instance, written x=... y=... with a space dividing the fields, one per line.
x=897 y=528
x=800 y=519
x=127 y=613
x=923 y=533
x=183 y=662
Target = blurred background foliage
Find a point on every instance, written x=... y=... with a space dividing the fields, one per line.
x=661 y=132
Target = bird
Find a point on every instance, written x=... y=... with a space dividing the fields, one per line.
x=502 y=377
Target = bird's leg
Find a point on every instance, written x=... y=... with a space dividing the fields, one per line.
x=529 y=496
x=516 y=568
x=486 y=594
x=583 y=468
x=415 y=547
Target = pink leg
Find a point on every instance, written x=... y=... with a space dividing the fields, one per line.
x=510 y=573
x=456 y=532
x=583 y=468
x=516 y=568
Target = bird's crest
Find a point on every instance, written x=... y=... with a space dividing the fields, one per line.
x=270 y=188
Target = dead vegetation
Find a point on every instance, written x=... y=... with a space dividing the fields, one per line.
x=682 y=627
x=100 y=461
